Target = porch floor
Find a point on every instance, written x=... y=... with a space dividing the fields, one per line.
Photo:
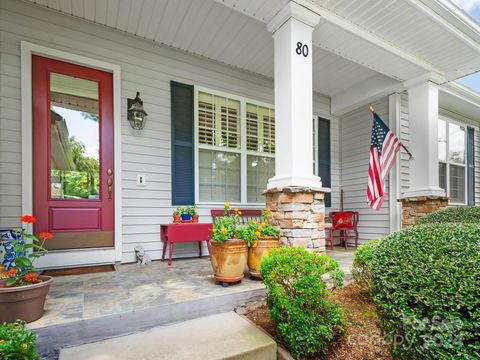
x=134 y=287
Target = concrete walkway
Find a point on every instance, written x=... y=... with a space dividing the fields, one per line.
x=220 y=336
x=344 y=257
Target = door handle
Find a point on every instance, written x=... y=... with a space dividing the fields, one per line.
x=109 y=184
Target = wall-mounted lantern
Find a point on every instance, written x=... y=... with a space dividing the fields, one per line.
x=135 y=113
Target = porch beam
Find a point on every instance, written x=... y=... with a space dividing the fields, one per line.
x=423 y=139
x=292 y=29
x=368 y=36
x=451 y=19
x=363 y=93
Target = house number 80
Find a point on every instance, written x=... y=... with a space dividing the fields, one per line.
x=302 y=49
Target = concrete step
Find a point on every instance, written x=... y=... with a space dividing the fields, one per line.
x=53 y=338
x=220 y=336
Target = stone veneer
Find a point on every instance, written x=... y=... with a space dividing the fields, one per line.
x=300 y=214
x=414 y=208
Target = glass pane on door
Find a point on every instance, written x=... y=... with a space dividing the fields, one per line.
x=74 y=138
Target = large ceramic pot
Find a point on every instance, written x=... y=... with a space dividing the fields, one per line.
x=23 y=302
x=262 y=248
x=229 y=260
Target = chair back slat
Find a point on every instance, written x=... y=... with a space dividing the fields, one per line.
x=335 y=215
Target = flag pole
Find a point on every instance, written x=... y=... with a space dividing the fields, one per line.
x=372 y=110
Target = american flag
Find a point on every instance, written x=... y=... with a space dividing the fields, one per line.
x=384 y=146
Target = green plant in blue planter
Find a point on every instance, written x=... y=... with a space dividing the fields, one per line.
x=185 y=213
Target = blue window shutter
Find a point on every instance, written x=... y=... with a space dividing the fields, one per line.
x=183 y=170
x=471 y=165
x=324 y=161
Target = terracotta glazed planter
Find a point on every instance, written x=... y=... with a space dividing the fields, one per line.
x=195 y=219
x=177 y=219
x=229 y=260
x=23 y=302
x=262 y=247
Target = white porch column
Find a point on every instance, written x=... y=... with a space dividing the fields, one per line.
x=292 y=31
x=423 y=139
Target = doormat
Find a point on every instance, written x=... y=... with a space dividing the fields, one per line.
x=79 y=270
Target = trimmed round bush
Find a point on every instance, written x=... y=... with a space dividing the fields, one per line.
x=426 y=285
x=298 y=299
x=455 y=214
x=361 y=268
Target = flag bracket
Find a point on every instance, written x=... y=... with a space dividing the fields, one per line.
x=372 y=110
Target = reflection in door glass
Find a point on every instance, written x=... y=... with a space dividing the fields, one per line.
x=74 y=138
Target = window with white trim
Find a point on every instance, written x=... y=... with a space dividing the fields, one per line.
x=452 y=155
x=232 y=134
x=260 y=134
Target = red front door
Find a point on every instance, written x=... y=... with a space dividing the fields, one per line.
x=73 y=183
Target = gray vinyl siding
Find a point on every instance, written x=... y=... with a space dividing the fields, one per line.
x=145 y=67
x=355 y=140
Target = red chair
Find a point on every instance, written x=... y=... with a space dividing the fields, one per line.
x=343 y=222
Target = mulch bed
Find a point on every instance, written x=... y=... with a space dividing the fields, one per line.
x=362 y=340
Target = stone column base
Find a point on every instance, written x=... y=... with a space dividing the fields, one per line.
x=300 y=214
x=414 y=208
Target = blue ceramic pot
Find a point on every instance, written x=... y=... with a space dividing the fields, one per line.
x=186 y=217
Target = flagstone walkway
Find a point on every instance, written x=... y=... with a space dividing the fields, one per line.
x=134 y=287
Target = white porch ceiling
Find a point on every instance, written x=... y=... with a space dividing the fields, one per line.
x=358 y=41
x=213 y=30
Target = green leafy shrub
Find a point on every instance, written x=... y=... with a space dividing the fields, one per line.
x=455 y=214
x=17 y=342
x=298 y=299
x=361 y=268
x=426 y=285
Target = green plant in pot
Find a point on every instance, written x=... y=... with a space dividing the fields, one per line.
x=22 y=295
x=186 y=214
x=194 y=213
x=262 y=237
x=229 y=253
x=176 y=216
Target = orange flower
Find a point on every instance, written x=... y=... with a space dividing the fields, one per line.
x=239 y=212
x=28 y=219
x=31 y=277
x=236 y=209
x=12 y=272
x=46 y=235
x=260 y=229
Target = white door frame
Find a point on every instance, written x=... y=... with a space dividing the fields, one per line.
x=63 y=258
